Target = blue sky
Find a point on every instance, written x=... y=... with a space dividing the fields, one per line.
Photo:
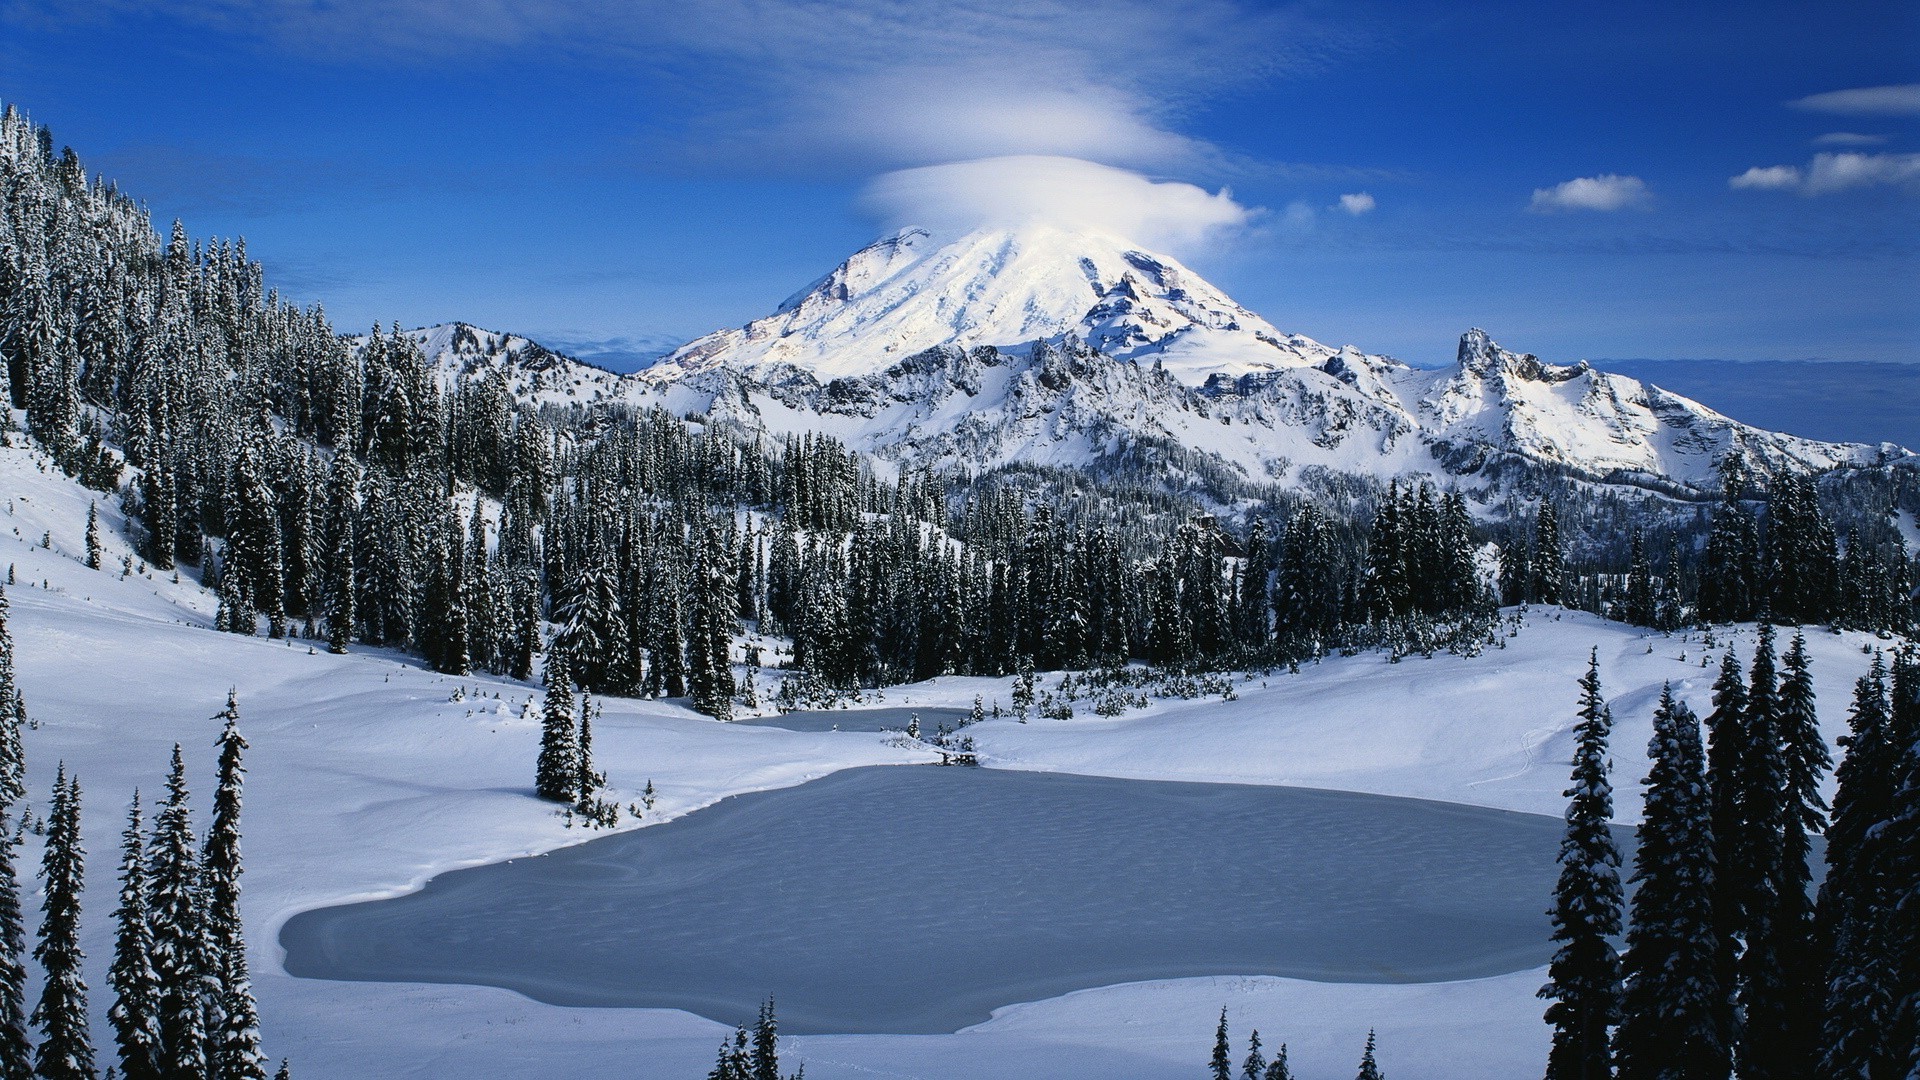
x=1627 y=180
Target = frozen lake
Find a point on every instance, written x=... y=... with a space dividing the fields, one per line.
x=918 y=899
x=895 y=717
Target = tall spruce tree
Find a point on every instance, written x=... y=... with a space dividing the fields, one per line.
x=557 y=773
x=1770 y=912
x=13 y=758
x=135 y=1012
x=1854 y=903
x=1897 y=868
x=16 y=1046
x=66 y=1043
x=1732 y=831
x=179 y=949
x=234 y=1048
x=1583 y=979
x=1222 y=1061
x=1671 y=1004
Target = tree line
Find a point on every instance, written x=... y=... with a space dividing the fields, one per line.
x=183 y=1002
x=1734 y=964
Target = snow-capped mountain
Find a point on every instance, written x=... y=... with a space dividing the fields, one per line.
x=1045 y=346
x=1007 y=288
x=533 y=371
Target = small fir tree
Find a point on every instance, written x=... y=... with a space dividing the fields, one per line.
x=1369 y=1070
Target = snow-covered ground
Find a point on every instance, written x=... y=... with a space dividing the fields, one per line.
x=367 y=776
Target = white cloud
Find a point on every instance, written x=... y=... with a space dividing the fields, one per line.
x=1839 y=172
x=1902 y=100
x=1848 y=138
x=839 y=84
x=1357 y=203
x=1604 y=193
x=1770 y=178
x=1011 y=191
x=1835 y=172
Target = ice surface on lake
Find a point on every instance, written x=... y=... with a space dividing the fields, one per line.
x=894 y=717
x=918 y=899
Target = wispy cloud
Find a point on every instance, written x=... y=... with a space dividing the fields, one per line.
x=858 y=84
x=1901 y=100
x=1013 y=191
x=1848 y=138
x=1357 y=203
x=1828 y=174
x=1607 y=192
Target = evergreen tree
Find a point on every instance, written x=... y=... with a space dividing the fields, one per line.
x=1769 y=1045
x=764 y=1063
x=234 y=1049
x=343 y=497
x=1729 y=582
x=16 y=1048
x=590 y=781
x=557 y=775
x=1732 y=831
x=93 y=536
x=13 y=762
x=1670 y=1005
x=1897 y=868
x=66 y=1045
x=1549 y=559
x=1853 y=900
x=135 y=985
x=1255 y=1065
x=1584 y=976
x=1368 y=1069
x=1222 y=1063
x=1277 y=1068
x=179 y=953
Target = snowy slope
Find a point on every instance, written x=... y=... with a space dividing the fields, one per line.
x=367 y=776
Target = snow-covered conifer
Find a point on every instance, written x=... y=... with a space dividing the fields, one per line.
x=65 y=1051
x=1583 y=979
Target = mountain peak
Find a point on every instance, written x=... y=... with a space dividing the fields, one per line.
x=1007 y=288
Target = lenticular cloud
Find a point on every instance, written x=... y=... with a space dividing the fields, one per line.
x=1066 y=192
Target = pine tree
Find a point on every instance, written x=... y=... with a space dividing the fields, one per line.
x=1368 y=1069
x=93 y=536
x=1277 y=1068
x=1549 y=561
x=589 y=780
x=1897 y=868
x=1771 y=914
x=16 y=1048
x=1584 y=976
x=1222 y=1063
x=343 y=497
x=1670 y=1004
x=1853 y=900
x=1732 y=832
x=179 y=953
x=13 y=763
x=557 y=774
x=135 y=985
x=1255 y=1065
x=764 y=1064
x=66 y=1045
x=234 y=1049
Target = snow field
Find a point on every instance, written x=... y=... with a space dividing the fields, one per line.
x=366 y=778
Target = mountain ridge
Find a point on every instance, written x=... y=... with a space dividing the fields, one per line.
x=1044 y=346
